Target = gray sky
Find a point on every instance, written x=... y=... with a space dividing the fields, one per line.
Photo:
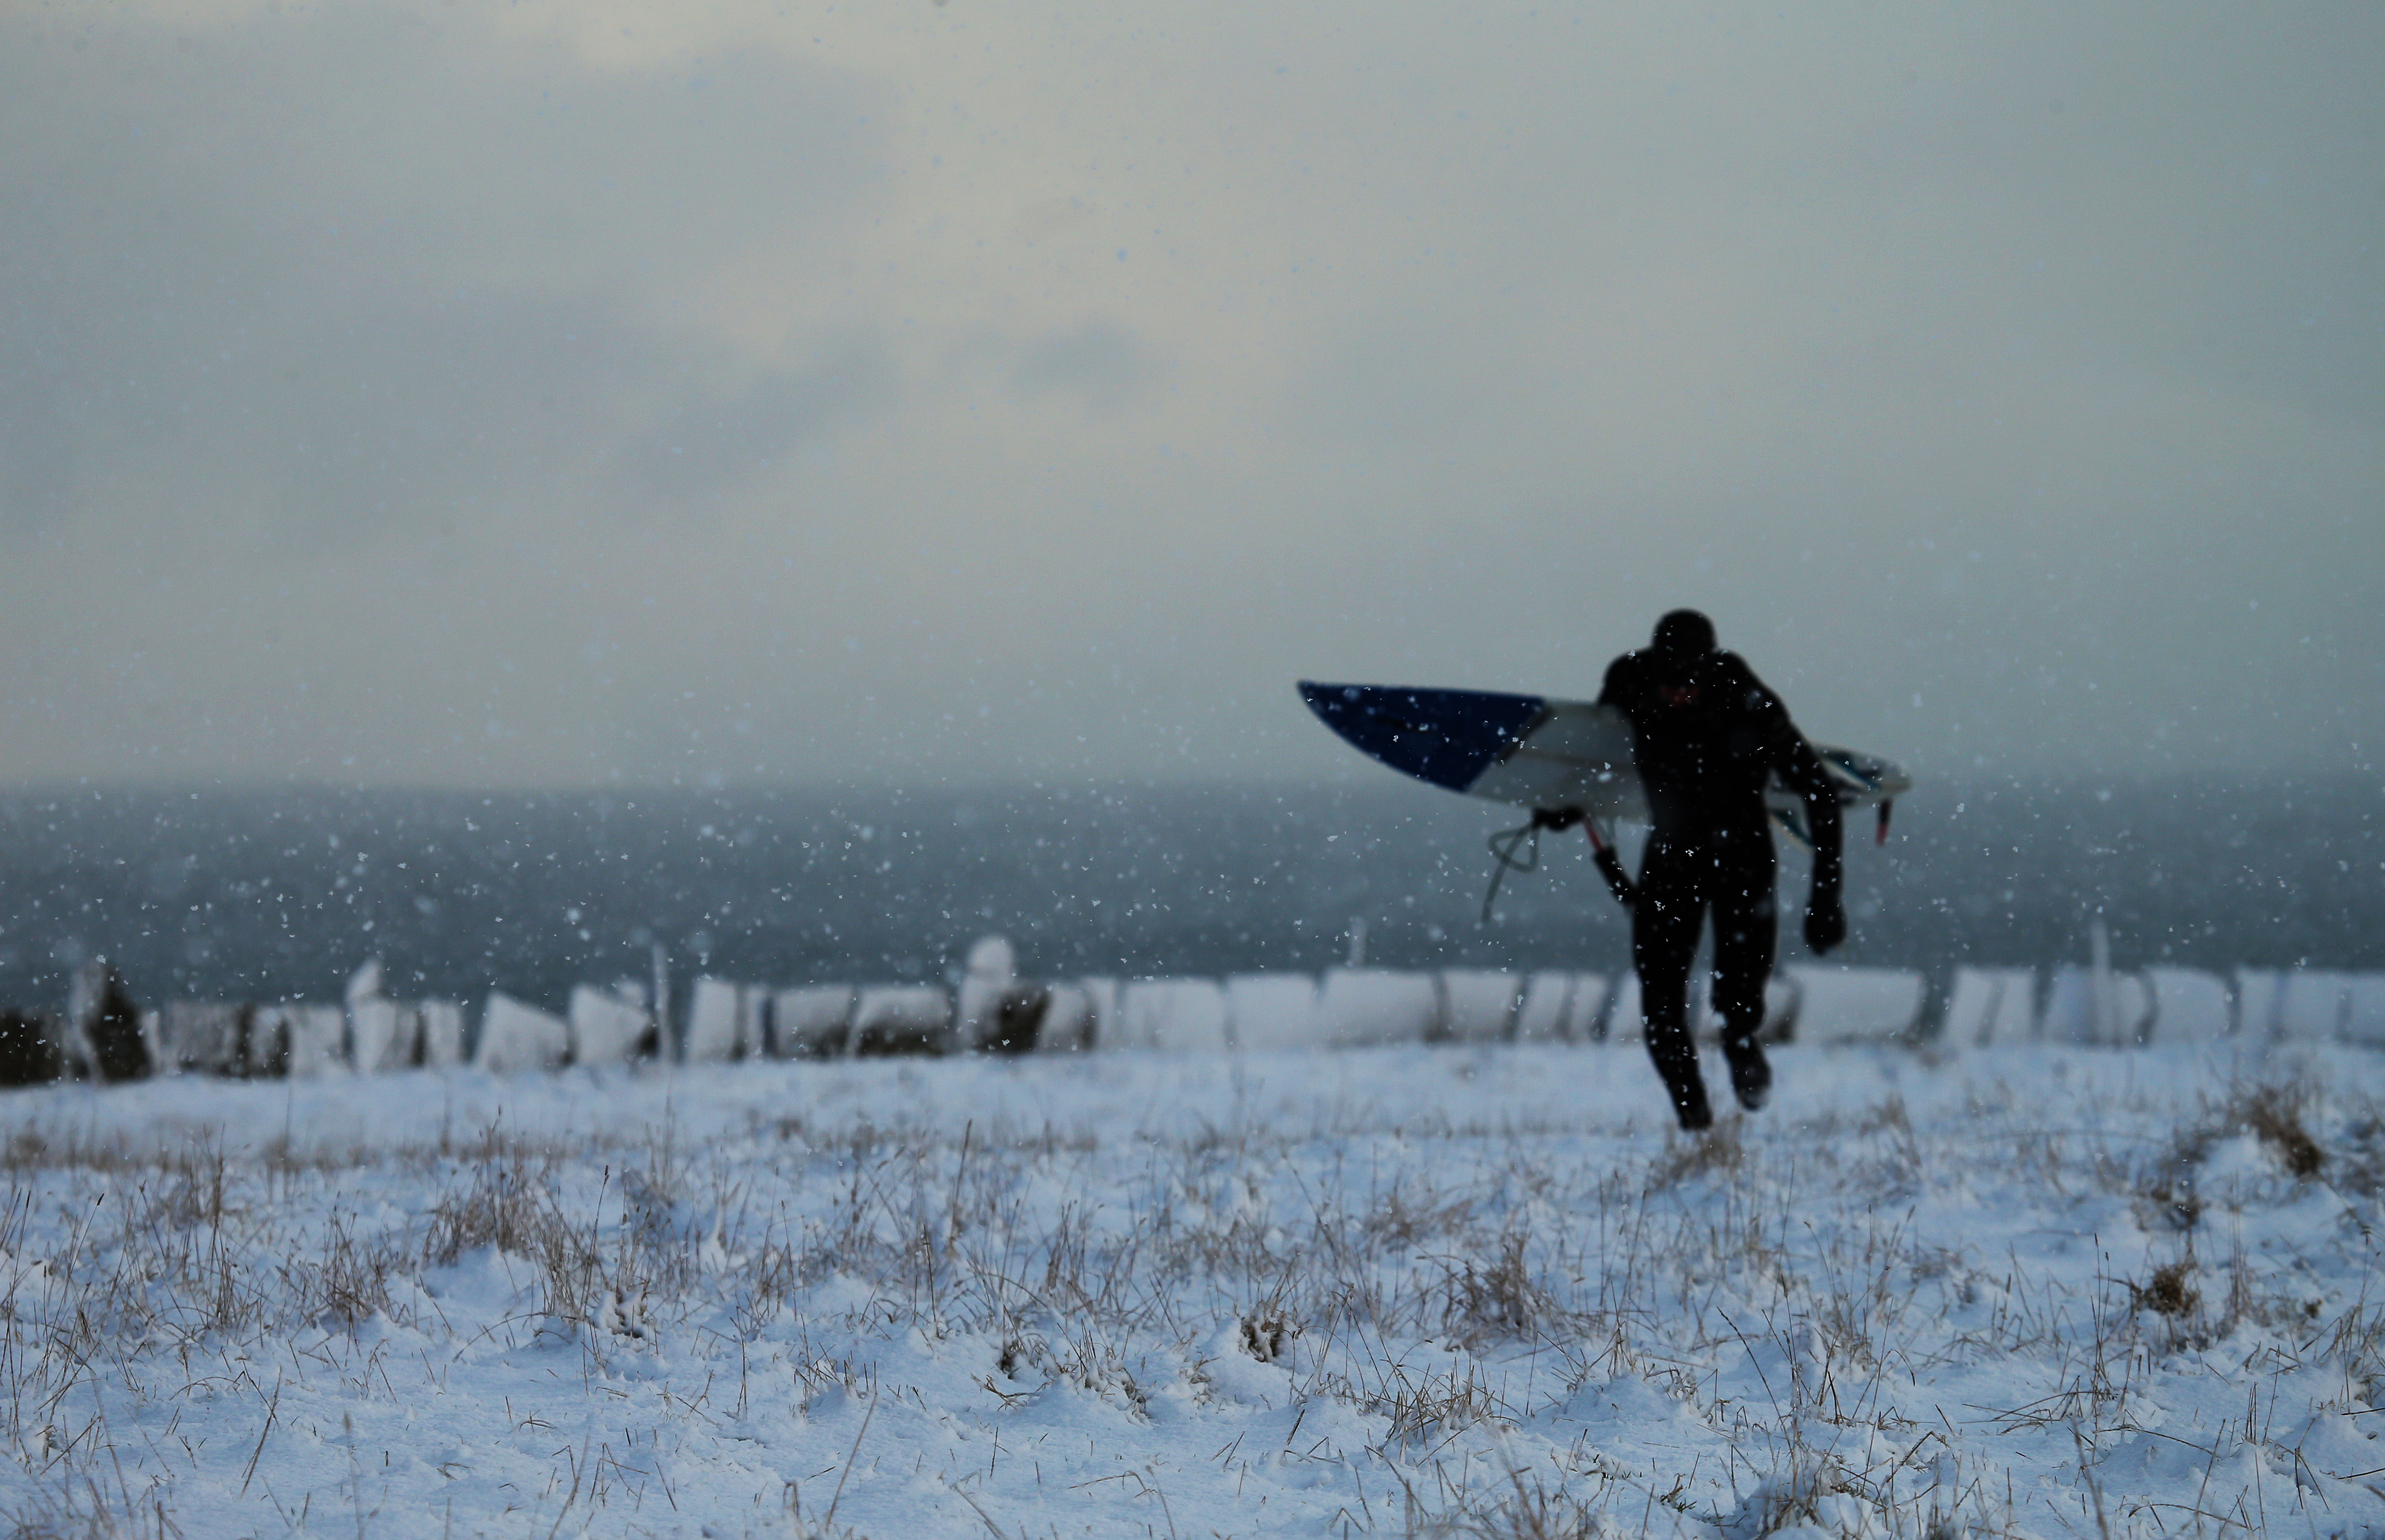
x=571 y=394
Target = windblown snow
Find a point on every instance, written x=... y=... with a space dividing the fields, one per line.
x=2037 y=1291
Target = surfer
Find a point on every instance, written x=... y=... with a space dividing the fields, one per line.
x=1708 y=735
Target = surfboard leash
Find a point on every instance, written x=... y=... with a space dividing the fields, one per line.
x=1503 y=844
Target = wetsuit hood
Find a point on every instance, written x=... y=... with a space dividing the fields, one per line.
x=1683 y=637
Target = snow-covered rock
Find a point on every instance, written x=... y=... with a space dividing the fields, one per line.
x=515 y=1036
x=1068 y=1026
x=384 y=1035
x=365 y=983
x=1561 y=1007
x=1173 y=1015
x=2363 y=1009
x=1478 y=1006
x=1625 y=1022
x=724 y=1023
x=268 y=1048
x=998 y=1013
x=902 y=1019
x=107 y=1038
x=2190 y=1006
x=1856 y=1005
x=1272 y=1010
x=2294 y=1005
x=442 y=1032
x=1363 y=1007
x=2311 y=1005
x=2085 y=1007
x=2259 y=994
x=815 y=1022
x=1593 y=994
x=311 y=1039
x=1542 y=1011
x=205 y=1037
x=1102 y=999
x=992 y=973
x=1991 y=1008
x=609 y=1027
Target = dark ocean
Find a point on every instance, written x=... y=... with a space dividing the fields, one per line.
x=279 y=894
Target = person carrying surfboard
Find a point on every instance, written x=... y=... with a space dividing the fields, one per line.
x=1687 y=737
x=1708 y=736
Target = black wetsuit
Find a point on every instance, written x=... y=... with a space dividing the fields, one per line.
x=1709 y=737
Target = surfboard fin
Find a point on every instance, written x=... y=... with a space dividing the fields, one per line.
x=1887 y=803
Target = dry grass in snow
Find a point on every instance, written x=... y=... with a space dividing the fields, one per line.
x=1410 y=1292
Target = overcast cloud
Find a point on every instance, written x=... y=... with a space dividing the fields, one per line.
x=547 y=394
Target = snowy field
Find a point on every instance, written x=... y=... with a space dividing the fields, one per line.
x=1411 y=1291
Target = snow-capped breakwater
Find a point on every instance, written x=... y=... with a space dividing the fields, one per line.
x=104 y=1036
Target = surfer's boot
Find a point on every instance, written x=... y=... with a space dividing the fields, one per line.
x=1676 y=1064
x=1751 y=1074
x=1688 y=1089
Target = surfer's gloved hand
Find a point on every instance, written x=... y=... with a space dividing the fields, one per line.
x=1826 y=920
x=1556 y=819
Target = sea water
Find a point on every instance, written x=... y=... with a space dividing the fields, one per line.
x=269 y=894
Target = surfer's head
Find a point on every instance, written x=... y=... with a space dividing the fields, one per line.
x=1684 y=636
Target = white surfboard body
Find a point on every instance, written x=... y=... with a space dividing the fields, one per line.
x=1541 y=753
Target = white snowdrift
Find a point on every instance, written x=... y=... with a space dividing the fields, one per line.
x=1469 y=1290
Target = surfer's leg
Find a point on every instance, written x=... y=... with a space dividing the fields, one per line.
x=1664 y=938
x=1745 y=924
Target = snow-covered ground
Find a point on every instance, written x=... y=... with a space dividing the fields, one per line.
x=1479 y=1291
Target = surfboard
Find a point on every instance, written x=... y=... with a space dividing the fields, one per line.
x=1539 y=753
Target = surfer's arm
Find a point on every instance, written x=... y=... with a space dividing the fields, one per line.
x=1801 y=771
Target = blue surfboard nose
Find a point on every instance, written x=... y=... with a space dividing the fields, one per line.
x=1446 y=737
